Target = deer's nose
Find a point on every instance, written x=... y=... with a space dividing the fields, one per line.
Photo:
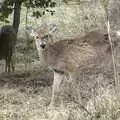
x=42 y=45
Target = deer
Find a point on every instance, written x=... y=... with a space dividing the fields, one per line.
x=8 y=38
x=67 y=56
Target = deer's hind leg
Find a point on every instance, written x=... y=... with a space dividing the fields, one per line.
x=74 y=88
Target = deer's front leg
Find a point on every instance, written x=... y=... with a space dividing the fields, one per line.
x=58 y=77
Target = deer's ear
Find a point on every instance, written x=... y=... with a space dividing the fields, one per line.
x=53 y=28
x=30 y=31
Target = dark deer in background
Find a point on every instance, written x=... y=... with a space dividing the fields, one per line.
x=67 y=56
x=7 y=46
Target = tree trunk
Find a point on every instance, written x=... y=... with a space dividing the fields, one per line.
x=17 y=10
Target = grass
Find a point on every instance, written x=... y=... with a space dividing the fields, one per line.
x=25 y=95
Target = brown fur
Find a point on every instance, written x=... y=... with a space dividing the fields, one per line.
x=65 y=57
x=68 y=54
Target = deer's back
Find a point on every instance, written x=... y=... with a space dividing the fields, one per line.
x=66 y=55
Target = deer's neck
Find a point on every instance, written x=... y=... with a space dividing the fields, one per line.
x=50 y=55
x=50 y=49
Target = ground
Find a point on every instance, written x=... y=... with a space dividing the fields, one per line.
x=25 y=95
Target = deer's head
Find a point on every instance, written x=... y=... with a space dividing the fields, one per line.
x=42 y=34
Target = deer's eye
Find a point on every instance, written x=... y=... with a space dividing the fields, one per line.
x=37 y=37
x=46 y=36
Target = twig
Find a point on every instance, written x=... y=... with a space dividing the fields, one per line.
x=116 y=82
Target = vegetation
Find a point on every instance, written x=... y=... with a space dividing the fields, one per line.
x=10 y=5
x=25 y=94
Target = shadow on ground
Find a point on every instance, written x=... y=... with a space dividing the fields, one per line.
x=34 y=79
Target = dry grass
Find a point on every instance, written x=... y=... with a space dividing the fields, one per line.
x=25 y=95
